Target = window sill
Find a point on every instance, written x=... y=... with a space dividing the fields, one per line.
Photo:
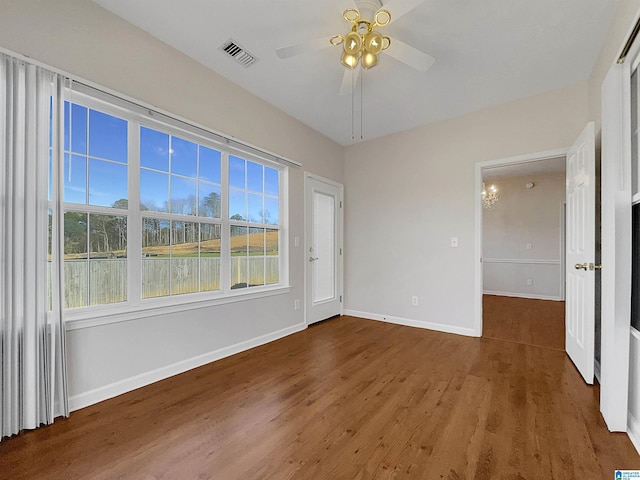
x=97 y=316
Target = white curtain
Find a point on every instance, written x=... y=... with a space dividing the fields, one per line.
x=32 y=351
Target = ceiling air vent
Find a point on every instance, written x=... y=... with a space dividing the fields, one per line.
x=238 y=53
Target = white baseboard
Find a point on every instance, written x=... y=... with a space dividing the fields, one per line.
x=633 y=430
x=524 y=295
x=439 y=327
x=100 y=394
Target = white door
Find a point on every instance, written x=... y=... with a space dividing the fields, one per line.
x=323 y=249
x=580 y=253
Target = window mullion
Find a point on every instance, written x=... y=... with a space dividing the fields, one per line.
x=225 y=241
x=134 y=220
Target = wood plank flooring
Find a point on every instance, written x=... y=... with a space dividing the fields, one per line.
x=524 y=320
x=345 y=399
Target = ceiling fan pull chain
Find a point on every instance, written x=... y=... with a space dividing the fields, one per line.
x=361 y=104
x=353 y=95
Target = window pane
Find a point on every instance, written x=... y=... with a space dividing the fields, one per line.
x=108 y=259
x=256 y=241
x=67 y=123
x=236 y=172
x=254 y=177
x=108 y=137
x=271 y=208
x=238 y=257
x=209 y=257
x=155 y=257
x=183 y=196
x=154 y=149
x=272 y=272
x=108 y=186
x=184 y=257
x=272 y=242
x=209 y=200
x=209 y=165
x=256 y=271
x=271 y=186
x=237 y=205
x=255 y=208
x=154 y=191
x=78 y=129
x=75 y=260
x=184 y=157
x=75 y=179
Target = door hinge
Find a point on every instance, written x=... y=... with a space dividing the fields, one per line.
x=340 y=298
x=341 y=251
x=340 y=203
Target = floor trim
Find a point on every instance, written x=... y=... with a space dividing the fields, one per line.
x=439 y=327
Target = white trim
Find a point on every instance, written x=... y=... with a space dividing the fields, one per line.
x=532 y=296
x=477 y=273
x=636 y=198
x=93 y=317
x=633 y=431
x=523 y=261
x=100 y=394
x=438 y=327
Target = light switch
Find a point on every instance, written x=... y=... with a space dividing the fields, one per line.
x=454 y=242
x=296 y=241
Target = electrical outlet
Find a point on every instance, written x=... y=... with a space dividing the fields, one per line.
x=296 y=304
x=529 y=246
x=414 y=300
x=529 y=282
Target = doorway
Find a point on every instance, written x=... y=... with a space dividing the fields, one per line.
x=522 y=252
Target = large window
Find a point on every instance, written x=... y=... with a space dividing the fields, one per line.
x=153 y=210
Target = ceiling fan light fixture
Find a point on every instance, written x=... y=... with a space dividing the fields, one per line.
x=352 y=43
x=336 y=40
x=351 y=15
x=369 y=60
x=373 y=43
x=349 y=61
x=382 y=18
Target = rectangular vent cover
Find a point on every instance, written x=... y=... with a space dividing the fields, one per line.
x=238 y=53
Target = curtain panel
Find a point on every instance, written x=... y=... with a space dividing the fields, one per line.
x=32 y=351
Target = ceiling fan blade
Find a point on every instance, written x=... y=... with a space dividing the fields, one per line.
x=409 y=55
x=304 y=47
x=398 y=8
x=349 y=79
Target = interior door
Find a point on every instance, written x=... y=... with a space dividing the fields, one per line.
x=580 y=253
x=323 y=254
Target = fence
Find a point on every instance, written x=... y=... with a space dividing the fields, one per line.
x=160 y=277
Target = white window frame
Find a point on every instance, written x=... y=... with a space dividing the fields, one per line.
x=135 y=306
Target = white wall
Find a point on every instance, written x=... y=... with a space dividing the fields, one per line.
x=81 y=38
x=407 y=194
x=520 y=218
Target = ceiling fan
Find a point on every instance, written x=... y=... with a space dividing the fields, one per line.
x=363 y=44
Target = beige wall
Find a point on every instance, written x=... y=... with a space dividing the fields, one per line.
x=409 y=193
x=520 y=218
x=84 y=40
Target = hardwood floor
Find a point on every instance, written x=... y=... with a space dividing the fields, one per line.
x=523 y=320
x=345 y=399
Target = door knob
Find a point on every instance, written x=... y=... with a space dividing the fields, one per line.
x=595 y=267
x=581 y=266
x=312 y=259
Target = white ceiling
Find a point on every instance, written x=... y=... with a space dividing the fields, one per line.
x=487 y=52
